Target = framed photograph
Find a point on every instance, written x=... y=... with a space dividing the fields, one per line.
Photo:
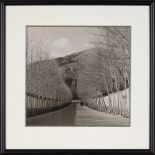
x=77 y=77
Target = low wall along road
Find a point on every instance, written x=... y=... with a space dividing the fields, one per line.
x=116 y=103
x=36 y=105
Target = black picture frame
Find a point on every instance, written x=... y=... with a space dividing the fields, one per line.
x=4 y=3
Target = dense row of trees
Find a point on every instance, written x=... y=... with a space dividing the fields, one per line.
x=44 y=79
x=42 y=75
x=44 y=82
x=105 y=69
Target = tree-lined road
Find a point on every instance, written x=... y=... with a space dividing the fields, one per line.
x=77 y=115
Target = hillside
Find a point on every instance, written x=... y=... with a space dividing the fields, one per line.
x=91 y=69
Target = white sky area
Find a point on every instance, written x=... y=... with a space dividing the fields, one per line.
x=59 y=41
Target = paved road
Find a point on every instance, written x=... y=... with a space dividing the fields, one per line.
x=77 y=115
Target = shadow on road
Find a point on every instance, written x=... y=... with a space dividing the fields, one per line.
x=63 y=117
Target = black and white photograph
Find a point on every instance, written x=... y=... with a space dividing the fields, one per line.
x=78 y=76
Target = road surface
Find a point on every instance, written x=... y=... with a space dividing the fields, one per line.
x=77 y=115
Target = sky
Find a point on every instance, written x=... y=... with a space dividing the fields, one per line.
x=59 y=41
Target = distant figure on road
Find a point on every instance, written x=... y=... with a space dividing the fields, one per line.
x=81 y=103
